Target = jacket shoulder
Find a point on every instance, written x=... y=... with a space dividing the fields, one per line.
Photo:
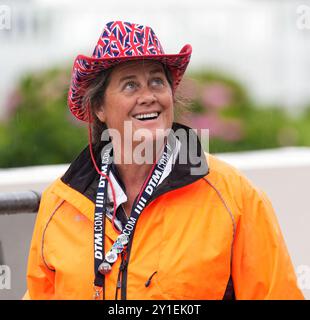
x=221 y=169
x=233 y=185
x=50 y=199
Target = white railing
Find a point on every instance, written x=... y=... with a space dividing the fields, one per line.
x=290 y=157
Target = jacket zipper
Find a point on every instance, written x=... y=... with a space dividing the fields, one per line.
x=122 y=267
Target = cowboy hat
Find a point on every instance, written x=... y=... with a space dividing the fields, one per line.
x=119 y=42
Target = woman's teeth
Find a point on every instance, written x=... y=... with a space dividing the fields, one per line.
x=147 y=116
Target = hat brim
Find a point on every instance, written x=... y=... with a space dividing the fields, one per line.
x=85 y=69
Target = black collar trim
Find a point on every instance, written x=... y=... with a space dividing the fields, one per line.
x=81 y=173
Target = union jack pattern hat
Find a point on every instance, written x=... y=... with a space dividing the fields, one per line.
x=119 y=42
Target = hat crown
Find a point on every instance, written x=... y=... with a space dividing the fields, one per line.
x=125 y=39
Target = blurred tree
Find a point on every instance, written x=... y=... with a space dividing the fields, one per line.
x=39 y=128
x=235 y=122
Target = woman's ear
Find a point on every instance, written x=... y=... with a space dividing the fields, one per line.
x=100 y=113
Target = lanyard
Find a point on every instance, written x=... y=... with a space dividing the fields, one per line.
x=100 y=209
x=103 y=263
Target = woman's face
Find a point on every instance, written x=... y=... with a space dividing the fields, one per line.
x=138 y=92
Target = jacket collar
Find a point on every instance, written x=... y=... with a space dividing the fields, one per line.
x=81 y=174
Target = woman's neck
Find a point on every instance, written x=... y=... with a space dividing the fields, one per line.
x=133 y=175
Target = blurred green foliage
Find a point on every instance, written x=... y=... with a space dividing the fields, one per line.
x=255 y=126
x=40 y=130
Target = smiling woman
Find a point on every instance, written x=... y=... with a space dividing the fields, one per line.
x=183 y=225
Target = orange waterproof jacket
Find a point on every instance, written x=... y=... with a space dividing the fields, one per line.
x=197 y=238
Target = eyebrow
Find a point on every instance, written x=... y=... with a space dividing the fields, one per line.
x=127 y=78
x=158 y=70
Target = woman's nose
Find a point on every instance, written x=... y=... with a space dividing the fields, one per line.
x=146 y=97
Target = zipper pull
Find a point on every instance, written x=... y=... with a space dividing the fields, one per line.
x=148 y=282
x=97 y=293
x=122 y=266
x=118 y=283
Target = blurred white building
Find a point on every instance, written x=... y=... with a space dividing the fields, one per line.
x=262 y=43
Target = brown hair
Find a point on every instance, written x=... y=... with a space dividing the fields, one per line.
x=94 y=98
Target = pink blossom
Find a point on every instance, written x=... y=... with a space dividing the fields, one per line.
x=216 y=96
x=188 y=89
x=12 y=102
x=225 y=129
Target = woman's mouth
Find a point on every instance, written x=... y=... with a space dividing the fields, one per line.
x=147 y=116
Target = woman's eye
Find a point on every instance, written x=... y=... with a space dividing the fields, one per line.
x=131 y=85
x=157 y=82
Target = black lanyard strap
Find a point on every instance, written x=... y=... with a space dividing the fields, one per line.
x=103 y=263
x=99 y=219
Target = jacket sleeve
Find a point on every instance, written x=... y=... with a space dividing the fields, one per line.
x=261 y=265
x=40 y=276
